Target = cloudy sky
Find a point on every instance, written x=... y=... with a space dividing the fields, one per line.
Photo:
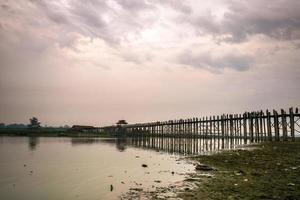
x=97 y=61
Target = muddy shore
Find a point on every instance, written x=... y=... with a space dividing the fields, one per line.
x=260 y=171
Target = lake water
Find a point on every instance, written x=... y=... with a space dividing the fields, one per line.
x=85 y=168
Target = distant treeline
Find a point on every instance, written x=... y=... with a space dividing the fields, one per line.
x=26 y=130
x=13 y=126
x=24 y=126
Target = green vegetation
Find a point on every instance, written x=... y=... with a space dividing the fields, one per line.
x=34 y=123
x=268 y=171
x=35 y=129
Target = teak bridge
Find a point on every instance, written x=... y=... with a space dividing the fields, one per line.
x=253 y=126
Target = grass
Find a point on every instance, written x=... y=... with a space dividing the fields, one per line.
x=269 y=171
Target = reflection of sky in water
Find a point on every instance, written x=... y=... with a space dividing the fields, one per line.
x=69 y=168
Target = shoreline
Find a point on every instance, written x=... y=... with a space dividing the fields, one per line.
x=266 y=171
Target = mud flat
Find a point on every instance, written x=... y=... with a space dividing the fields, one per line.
x=265 y=171
x=260 y=171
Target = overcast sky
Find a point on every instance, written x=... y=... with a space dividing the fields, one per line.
x=97 y=61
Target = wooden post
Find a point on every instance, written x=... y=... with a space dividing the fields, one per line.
x=292 y=124
x=245 y=126
x=218 y=127
x=231 y=126
x=264 y=126
x=250 y=126
x=240 y=126
x=269 y=127
x=276 y=125
x=214 y=127
x=261 y=125
x=206 y=127
x=200 y=129
x=197 y=127
x=222 y=126
x=210 y=126
x=257 y=135
x=284 y=125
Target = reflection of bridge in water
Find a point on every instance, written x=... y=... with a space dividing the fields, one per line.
x=183 y=146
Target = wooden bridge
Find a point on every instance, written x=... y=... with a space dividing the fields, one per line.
x=253 y=126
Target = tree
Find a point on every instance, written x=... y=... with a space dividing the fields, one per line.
x=2 y=125
x=34 y=123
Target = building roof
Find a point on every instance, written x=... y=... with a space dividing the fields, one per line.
x=121 y=122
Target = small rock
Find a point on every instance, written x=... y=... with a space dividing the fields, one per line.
x=245 y=179
x=136 y=189
x=122 y=182
x=144 y=165
x=192 y=179
x=25 y=165
x=157 y=181
x=137 y=156
x=291 y=184
x=172 y=173
x=239 y=173
x=202 y=167
x=111 y=187
x=235 y=184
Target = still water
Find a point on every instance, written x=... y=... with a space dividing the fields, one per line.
x=85 y=168
x=70 y=168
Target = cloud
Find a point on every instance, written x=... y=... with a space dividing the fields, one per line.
x=216 y=63
x=134 y=5
x=178 y=5
x=279 y=19
x=64 y=57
